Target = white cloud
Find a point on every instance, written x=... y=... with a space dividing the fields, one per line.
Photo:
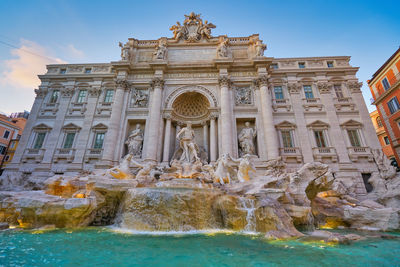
x=19 y=75
x=73 y=52
x=31 y=60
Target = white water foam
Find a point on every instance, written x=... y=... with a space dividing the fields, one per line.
x=192 y=232
x=248 y=206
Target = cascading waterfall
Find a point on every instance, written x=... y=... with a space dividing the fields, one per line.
x=248 y=205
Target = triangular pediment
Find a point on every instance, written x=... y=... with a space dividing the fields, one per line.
x=100 y=126
x=318 y=124
x=351 y=123
x=71 y=126
x=41 y=126
x=285 y=124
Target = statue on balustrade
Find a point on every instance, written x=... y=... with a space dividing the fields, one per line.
x=135 y=141
x=246 y=140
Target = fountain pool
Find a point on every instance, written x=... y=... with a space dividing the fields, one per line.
x=107 y=247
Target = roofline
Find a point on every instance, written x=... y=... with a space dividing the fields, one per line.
x=383 y=66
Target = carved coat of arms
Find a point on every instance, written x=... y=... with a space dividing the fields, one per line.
x=193 y=29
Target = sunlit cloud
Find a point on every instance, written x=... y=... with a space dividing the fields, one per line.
x=31 y=60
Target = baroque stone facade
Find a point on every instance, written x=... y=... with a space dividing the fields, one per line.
x=236 y=99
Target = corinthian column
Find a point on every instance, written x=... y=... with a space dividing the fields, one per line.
x=167 y=138
x=213 y=139
x=271 y=138
x=115 y=119
x=226 y=117
x=154 y=119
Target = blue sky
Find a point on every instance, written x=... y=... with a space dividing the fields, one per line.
x=89 y=31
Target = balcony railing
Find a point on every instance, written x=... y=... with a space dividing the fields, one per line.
x=311 y=100
x=291 y=152
x=35 y=154
x=93 y=154
x=64 y=153
x=360 y=152
x=324 y=152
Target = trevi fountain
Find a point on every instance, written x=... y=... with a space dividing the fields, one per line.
x=235 y=209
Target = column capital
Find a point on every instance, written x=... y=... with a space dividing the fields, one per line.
x=324 y=87
x=261 y=80
x=354 y=86
x=167 y=116
x=224 y=81
x=213 y=115
x=122 y=83
x=157 y=82
x=41 y=92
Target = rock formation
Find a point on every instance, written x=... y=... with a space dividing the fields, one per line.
x=191 y=196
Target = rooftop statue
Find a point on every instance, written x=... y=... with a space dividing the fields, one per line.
x=193 y=29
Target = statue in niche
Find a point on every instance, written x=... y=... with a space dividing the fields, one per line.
x=188 y=144
x=161 y=50
x=260 y=48
x=243 y=96
x=222 y=49
x=139 y=99
x=246 y=140
x=135 y=141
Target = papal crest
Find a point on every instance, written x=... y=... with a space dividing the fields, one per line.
x=193 y=29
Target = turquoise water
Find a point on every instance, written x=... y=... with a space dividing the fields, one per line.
x=103 y=247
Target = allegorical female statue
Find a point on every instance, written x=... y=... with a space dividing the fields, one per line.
x=246 y=140
x=135 y=141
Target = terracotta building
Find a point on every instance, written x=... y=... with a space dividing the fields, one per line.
x=11 y=128
x=382 y=135
x=384 y=86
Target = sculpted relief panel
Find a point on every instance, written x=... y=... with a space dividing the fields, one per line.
x=243 y=96
x=139 y=99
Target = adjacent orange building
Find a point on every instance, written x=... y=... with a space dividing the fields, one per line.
x=384 y=86
x=10 y=132
x=382 y=135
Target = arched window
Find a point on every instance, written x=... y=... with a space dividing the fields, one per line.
x=379 y=121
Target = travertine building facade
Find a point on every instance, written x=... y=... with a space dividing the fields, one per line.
x=302 y=109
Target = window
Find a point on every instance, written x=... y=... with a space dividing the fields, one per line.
x=2 y=150
x=354 y=139
x=287 y=139
x=12 y=144
x=308 y=91
x=379 y=122
x=319 y=138
x=278 y=92
x=338 y=90
x=81 y=96
x=274 y=66
x=6 y=134
x=54 y=97
x=39 y=140
x=385 y=83
x=386 y=139
x=69 y=140
x=302 y=65
x=98 y=140
x=330 y=64
x=88 y=70
x=393 y=105
x=63 y=71
x=109 y=96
